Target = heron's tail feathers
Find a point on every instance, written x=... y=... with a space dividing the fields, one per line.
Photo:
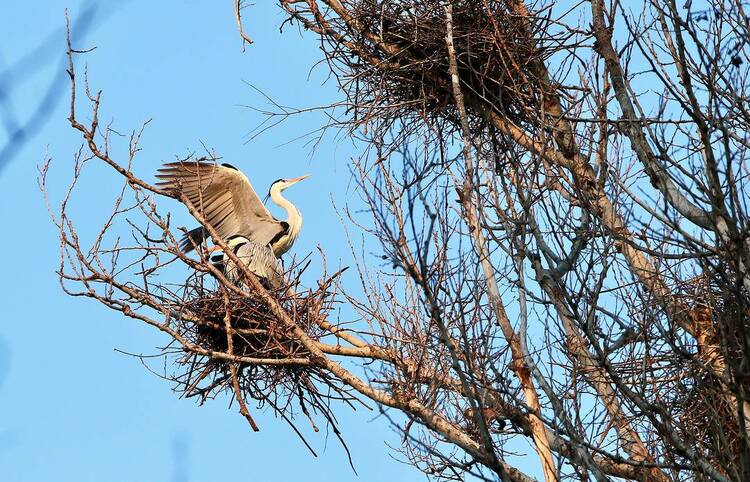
x=193 y=238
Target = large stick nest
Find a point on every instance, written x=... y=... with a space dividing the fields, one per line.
x=279 y=371
x=257 y=331
x=393 y=60
x=706 y=405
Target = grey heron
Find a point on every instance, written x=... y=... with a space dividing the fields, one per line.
x=258 y=259
x=227 y=201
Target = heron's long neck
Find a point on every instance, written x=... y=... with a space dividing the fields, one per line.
x=293 y=217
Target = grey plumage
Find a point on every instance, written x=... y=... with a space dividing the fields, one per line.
x=227 y=202
x=259 y=259
x=225 y=198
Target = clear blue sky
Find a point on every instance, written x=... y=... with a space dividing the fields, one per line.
x=73 y=409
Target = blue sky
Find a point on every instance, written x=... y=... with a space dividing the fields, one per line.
x=73 y=409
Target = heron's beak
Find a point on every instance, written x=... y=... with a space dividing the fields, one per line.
x=298 y=179
x=210 y=250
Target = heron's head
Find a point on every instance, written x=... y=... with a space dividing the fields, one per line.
x=236 y=241
x=280 y=184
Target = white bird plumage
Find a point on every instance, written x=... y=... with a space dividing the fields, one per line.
x=227 y=201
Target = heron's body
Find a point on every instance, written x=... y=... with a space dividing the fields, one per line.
x=260 y=260
x=225 y=199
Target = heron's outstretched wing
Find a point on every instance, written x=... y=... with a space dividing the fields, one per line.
x=224 y=196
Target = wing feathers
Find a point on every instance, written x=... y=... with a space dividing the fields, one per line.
x=224 y=197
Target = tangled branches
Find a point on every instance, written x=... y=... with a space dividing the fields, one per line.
x=563 y=268
x=225 y=338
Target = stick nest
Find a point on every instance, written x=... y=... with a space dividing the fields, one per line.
x=400 y=63
x=257 y=331
x=272 y=367
x=708 y=409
